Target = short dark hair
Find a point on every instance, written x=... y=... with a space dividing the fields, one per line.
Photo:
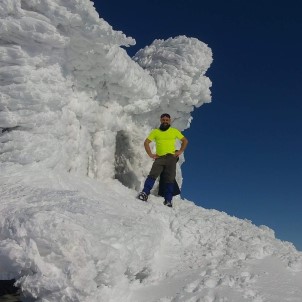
x=165 y=115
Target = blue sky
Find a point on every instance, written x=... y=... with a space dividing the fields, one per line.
x=245 y=151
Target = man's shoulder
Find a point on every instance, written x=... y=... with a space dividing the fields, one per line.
x=174 y=129
x=177 y=133
x=154 y=130
x=152 y=133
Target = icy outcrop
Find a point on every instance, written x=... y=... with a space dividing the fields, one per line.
x=178 y=66
x=68 y=90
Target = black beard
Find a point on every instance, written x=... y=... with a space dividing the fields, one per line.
x=164 y=127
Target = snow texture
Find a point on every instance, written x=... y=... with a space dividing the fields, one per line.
x=74 y=111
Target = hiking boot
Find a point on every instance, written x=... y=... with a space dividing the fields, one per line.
x=142 y=196
x=168 y=203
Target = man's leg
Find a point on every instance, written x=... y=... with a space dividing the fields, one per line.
x=149 y=183
x=170 y=174
x=169 y=188
x=156 y=169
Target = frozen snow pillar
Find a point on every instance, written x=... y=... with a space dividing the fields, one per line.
x=178 y=66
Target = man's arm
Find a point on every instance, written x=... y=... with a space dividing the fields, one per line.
x=148 y=149
x=184 y=143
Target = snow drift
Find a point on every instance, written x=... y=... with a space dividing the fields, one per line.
x=72 y=238
x=74 y=110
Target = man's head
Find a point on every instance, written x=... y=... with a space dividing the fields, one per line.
x=165 y=121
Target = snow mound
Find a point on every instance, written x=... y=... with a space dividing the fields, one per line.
x=75 y=239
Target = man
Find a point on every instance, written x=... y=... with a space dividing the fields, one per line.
x=165 y=157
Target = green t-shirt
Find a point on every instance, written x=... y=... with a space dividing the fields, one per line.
x=165 y=140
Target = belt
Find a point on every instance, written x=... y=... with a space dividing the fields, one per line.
x=166 y=155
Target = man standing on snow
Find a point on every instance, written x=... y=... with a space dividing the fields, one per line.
x=165 y=157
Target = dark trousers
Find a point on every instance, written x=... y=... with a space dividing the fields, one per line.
x=166 y=163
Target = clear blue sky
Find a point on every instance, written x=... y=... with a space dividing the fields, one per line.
x=245 y=151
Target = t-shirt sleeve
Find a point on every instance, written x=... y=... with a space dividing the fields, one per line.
x=179 y=135
x=151 y=136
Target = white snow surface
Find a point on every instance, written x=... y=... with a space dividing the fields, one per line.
x=71 y=238
x=74 y=111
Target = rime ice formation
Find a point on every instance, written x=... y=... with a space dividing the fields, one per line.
x=74 y=111
x=178 y=66
x=71 y=96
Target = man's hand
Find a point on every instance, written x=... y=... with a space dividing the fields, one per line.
x=154 y=156
x=178 y=153
x=148 y=150
x=184 y=143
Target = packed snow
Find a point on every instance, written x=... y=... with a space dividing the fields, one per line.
x=74 y=112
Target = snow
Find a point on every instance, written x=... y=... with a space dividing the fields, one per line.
x=74 y=111
x=71 y=238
